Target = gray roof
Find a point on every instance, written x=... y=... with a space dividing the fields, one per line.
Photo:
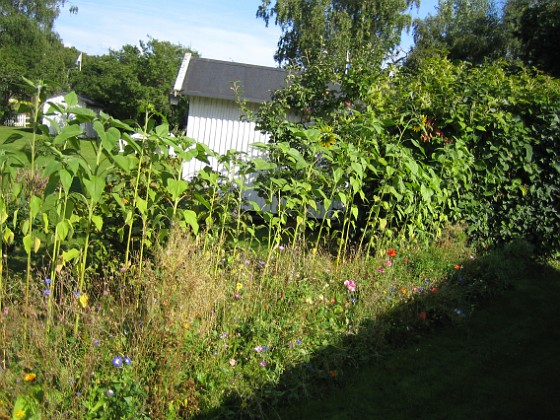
x=215 y=79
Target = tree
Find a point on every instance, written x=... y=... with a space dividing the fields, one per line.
x=124 y=82
x=536 y=25
x=28 y=50
x=44 y=12
x=318 y=30
x=467 y=30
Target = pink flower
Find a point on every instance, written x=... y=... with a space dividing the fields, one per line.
x=232 y=362
x=381 y=269
x=350 y=285
x=388 y=263
x=262 y=363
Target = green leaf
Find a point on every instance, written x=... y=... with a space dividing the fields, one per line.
x=35 y=205
x=28 y=243
x=97 y=221
x=176 y=187
x=95 y=186
x=69 y=131
x=190 y=218
x=71 y=254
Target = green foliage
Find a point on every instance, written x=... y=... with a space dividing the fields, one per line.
x=127 y=82
x=539 y=35
x=461 y=30
x=327 y=30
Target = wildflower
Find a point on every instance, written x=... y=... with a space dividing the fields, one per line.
x=239 y=286
x=353 y=300
x=110 y=393
x=29 y=377
x=47 y=281
x=263 y=363
x=232 y=362
x=350 y=285
x=404 y=260
x=258 y=349
x=47 y=292
x=96 y=342
x=458 y=311
x=281 y=247
x=83 y=299
x=332 y=374
x=298 y=341
x=381 y=269
x=457 y=267
x=127 y=361
x=20 y=414
x=388 y=263
x=105 y=293
x=404 y=291
x=186 y=325
x=333 y=301
x=434 y=289
x=392 y=253
x=76 y=294
x=117 y=361
x=423 y=315
x=237 y=296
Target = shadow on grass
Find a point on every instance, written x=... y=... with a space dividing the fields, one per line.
x=496 y=361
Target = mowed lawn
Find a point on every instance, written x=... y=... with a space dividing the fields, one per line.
x=503 y=363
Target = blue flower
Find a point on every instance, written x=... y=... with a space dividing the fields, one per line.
x=127 y=361
x=110 y=393
x=76 y=294
x=47 y=292
x=47 y=281
x=96 y=342
x=117 y=361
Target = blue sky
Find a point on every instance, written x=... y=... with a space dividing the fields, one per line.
x=219 y=29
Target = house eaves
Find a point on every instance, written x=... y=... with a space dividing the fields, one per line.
x=217 y=79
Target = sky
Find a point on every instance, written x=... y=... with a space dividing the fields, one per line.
x=218 y=29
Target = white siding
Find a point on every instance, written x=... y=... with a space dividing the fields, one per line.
x=217 y=123
x=60 y=119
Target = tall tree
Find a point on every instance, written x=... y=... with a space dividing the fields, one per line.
x=44 y=12
x=467 y=30
x=125 y=81
x=315 y=30
x=536 y=24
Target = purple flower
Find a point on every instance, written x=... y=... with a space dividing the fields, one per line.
x=263 y=363
x=96 y=342
x=110 y=393
x=127 y=361
x=47 y=292
x=47 y=281
x=76 y=294
x=259 y=349
x=117 y=361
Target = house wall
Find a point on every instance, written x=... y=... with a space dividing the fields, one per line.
x=217 y=123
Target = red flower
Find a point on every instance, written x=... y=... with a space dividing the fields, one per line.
x=423 y=315
x=392 y=253
x=457 y=267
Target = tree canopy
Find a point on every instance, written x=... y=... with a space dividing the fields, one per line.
x=315 y=30
x=125 y=81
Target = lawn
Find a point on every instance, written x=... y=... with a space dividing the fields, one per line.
x=502 y=363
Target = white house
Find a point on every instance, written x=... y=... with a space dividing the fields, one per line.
x=215 y=118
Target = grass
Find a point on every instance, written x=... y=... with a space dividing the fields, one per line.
x=501 y=363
